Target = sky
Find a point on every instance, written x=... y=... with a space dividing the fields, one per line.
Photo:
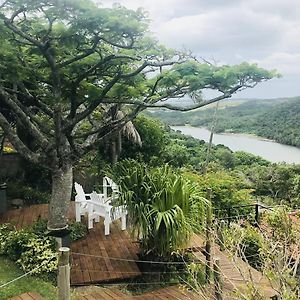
x=266 y=32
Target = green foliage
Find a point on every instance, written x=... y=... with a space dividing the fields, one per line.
x=278 y=181
x=251 y=246
x=281 y=226
x=177 y=155
x=247 y=159
x=163 y=207
x=247 y=242
x=19 y=189
x=153 y=138
x=195 y=275
x=30 y=251
x=16 y=243
x=228 y=190
x=77 y=229
x=38 y=256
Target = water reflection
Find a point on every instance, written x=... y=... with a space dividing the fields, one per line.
x=267 y=149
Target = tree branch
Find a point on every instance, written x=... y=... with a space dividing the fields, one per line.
x=17 y=143
x=80 y=56
x=172 y=107
x=106 y=131
x=24 y=117
x=82 y=115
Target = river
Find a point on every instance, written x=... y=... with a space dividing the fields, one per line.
x=267 y=149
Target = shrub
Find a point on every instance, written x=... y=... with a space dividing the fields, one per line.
x=39 y=252
x=163 y=207
x=29 y=194
x=28 y=249
x=5 y=230
x=16 y=243
x=77 y=231
x=246 y=241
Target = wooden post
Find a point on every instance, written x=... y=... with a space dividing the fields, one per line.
x=218 y=280
x=63 y=279
x=256 y=214
x=208 y=238
x=221 y=228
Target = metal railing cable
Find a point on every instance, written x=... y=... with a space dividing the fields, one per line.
x=22 y=276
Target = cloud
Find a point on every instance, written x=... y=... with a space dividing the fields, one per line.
x=262 y=31
x=237 y=30
x=284 y=62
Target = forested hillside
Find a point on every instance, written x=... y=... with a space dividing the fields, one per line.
x=277 y=119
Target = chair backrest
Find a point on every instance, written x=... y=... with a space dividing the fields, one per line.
x=98 y=198
x=108 y=182
x=80 y=192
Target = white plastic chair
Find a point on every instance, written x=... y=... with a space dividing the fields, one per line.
x=96 y=206
x=82 y=201
x=107 y=211
x=109 y=184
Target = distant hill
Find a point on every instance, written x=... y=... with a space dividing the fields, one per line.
x=277 y=119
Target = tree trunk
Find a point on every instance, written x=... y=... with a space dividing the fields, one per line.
x=62 y=180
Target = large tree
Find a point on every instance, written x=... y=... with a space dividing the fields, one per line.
x=68 y=67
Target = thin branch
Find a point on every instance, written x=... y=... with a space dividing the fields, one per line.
x=16 y=13
x=80 y=56
x=82 y=115
x=16 y=30
x=119 y=45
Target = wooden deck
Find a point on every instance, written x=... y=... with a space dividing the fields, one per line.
x=94 y=266
x=236 y=273
x=28 y=296
x=171 y=292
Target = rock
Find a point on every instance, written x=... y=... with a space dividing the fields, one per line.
x=17 y=203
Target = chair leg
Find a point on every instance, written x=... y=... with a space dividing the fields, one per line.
x=106 y=226
x=77 y=212
x=123 y=220
x=90 y=222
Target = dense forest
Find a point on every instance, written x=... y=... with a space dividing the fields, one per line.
x=276 y=119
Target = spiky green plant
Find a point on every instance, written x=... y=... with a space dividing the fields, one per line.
x=164 y=207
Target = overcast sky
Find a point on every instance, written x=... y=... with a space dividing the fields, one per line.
x=266 y=32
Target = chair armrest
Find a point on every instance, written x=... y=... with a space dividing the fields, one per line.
x=106 y=206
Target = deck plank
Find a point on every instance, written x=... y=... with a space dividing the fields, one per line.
x=28 y=296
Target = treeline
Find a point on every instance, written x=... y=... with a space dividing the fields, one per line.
x=235 y=177
x=277 y=119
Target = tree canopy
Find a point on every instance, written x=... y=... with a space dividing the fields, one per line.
x=69 y=67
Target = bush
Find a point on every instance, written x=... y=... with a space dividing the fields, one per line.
x=29 y=194
x=31 y=248
x=39 y=252
x=15 y=243
x=28 y=249
x=77 y=231
x=246 y=242
x=252 y=245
